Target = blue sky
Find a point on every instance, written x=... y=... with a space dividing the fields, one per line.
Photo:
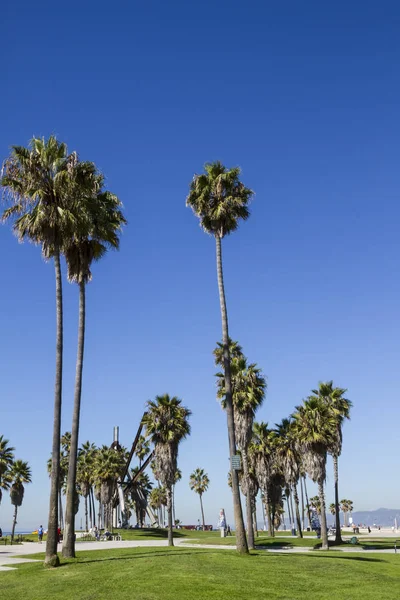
x=304 y=97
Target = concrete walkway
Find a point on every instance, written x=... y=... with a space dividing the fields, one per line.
x=8 y=554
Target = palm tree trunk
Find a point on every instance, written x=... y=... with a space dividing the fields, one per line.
x=338 y=538
x=255 y=528
x=14 y=522
x=249 y=512
x=291 y=508
x=90 y=510
x=51 y=558
x=296 y=502
x=86 y=514
x=307 y=502
x=302 y=503
x=68 y=549
x=324 y=535
x=288 y=507
x=173 y=502
x=93 y=508
x=263 y=509
x=271 y=531
x=202 y=512
x=99 y=515
x=169 y=510
x=241 y=542
x=60 y=510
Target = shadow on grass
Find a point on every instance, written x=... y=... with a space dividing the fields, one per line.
x=158 y=534
x=336 y=556
x=158 y=554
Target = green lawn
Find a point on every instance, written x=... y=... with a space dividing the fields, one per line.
x=182 y=574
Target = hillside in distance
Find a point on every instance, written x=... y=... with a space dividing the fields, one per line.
x=385 y=517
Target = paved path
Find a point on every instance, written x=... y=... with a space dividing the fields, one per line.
x=8 y=553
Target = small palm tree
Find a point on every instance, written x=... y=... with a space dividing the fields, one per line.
x=167 y=424
x=332 y=509
x=315 y=503
x=85 y=479
x=20 y=473
x=140 y=490
x=108 y=466
x=100 y=224
x=314 y=430
x=340 y=407
x=220 y=200
x=262 y=451
x=6 y=461
x=199 y=483
x=289 y=458
x=178 y=477
x=158 y=499
x=346 y=506
x=142 y=449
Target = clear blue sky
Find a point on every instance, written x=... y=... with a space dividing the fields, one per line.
x=304 y=97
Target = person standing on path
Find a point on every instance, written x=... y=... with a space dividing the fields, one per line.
x=40 y=534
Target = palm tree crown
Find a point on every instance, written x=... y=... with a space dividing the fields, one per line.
x=219 y=199
x=199 y=481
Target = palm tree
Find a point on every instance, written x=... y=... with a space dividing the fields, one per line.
x=100 y=231
x=315 y=503
x=20 y=473
x=262 y=450
x=340 y=407
x=85 y=479
x=140 y=490
x=199 y=483
x=289 y=458
x=178 y=477
x=167 y=424
x=158 y=499
x=142 y=449
x=108 y=466
x=314 y=427
x=6 y=461
x=332 y=509
x=346 y=506
x=220 y=200
x=248 y=392
x=38 y=181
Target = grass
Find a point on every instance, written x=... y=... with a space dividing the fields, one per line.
x=181 y=574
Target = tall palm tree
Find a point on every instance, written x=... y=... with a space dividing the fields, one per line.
x=248 y=392
x=20 y=473
x=101 y=223
x=289 y=457
x=314 y=429
x=167 y=424
x=199 y=483
x=340 y=407
x=38 y=182
x=220 y=200
x=6 y=461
